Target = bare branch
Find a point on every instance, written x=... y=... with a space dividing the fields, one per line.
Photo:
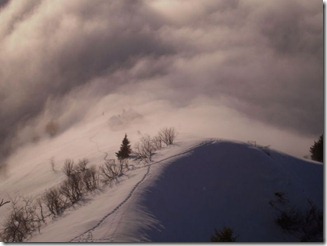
x=3 y=202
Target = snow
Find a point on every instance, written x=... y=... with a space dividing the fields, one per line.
x=226 y=184
x=188 y=190
x=101 y=211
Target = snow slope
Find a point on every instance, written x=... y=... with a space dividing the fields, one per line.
x=189 y=190
x=98 y=218
x=223 y=184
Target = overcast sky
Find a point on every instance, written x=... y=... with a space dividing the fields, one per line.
x=261 y=60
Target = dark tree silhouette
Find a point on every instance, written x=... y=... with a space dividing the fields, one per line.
x=317 y=150
x=125 y=149
x=224 y=235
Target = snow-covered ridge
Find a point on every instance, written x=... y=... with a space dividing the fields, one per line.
x=222 y=184
x=189 y=190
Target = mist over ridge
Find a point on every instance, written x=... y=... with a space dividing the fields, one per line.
x=220 y=67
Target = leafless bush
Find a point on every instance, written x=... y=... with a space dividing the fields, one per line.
x=54 y=201
x=90 y=178
x=123 y=166
x=224 y=235
x=168 y=135
x=21 y=222
x=88 y=175
x=81 y=166
x=72 y=188
x=306 y=225
x=80 y=179
x=157 y=142
x=109 y=172
x=144 y=149
x=68 y=168
x=41 y=215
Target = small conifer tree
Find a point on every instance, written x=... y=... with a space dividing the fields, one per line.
x=125 y=149
x=317 y=150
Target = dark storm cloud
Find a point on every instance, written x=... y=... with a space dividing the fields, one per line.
x=49 y=49
x=3 y=3
x=291 y=29
x=292 y=75
x=265 y=57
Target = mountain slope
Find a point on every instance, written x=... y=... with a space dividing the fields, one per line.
x=189 y=190
x=221 y=184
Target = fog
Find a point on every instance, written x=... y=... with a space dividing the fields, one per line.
x=235 y=69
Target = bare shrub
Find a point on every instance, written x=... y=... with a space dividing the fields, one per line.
x=41 y=215
x=54 y=201
x=52 y=128
x=81 y=166
x=109 y=172
x=80 y=179
x=168 y=135
x=313 y=228
x=144 y=149
x=138 y=152
x=21 y=222
x=68 y=168
x=87 y=175
x=72 y=188
x=157 y=142
x=289 y=220
x=224 y=235
x=306 y=225
x=90 y=178
x=123 y=166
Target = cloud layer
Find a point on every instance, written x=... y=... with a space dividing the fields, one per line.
x=58 y=58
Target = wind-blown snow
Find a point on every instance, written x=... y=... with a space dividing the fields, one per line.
x=188 y=190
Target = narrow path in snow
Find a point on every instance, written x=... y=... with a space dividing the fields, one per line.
x=89 y=231
x=96 y=144
x=87 y=235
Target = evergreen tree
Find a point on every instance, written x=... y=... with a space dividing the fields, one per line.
x=317 y=150
x=125 y=149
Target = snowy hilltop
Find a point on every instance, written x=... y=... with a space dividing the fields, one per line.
x=195 y=191
x=161 y=121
